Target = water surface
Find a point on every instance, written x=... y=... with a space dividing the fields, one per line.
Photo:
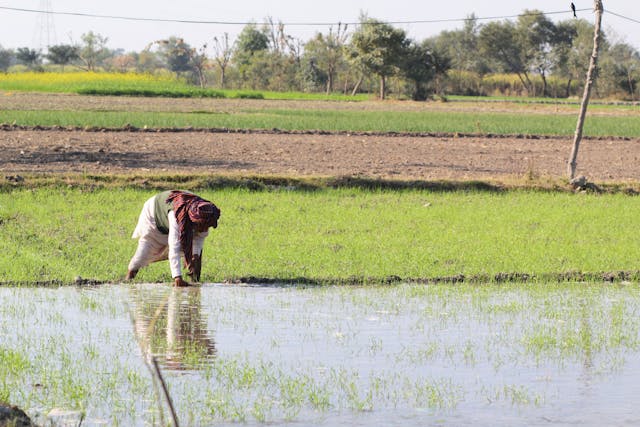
x=543 y=354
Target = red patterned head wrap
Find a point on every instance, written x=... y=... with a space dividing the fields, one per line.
x=191 y=210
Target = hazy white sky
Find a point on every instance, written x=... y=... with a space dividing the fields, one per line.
x=21 y=28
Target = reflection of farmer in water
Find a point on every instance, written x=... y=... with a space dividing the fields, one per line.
x=173 y=329
x=170 y=224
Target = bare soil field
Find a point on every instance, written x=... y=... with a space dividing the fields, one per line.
x=376 y=156
x=402 y=156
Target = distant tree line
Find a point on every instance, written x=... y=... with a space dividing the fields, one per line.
x=531 y=56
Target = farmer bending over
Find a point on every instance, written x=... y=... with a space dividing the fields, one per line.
x=172 y=224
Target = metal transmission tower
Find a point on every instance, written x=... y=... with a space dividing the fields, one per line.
x=45 y=27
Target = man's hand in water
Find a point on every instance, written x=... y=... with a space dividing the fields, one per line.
x=196 y=267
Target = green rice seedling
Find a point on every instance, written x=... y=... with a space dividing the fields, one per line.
x=335 y=121
x=13 y=364
x=441 y=394
x=460 y=233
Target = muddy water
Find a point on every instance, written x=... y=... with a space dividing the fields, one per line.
x=404 y=355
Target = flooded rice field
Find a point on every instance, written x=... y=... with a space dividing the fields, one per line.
x=410 y=355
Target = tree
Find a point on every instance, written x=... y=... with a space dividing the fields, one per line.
x=418 y=67
x=200 y=63
x=325 y=54
x=29 y=57
x=536 y=35
x=181 y=58
x=498 y=42
x=626 y=67
x=251 y=44
x=422 y=64
x=146 y=61
x=122 y=63
x=93 y=50
x=283 y=58
x=461 y=46
x=176 y=54
x=251 y=40
x=62 y=54
x=566 y=33
x=222 y=55
x=441 y=65
x=378 y=47
x=6 y=58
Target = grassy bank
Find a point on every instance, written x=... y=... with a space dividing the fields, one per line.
x=328 y=234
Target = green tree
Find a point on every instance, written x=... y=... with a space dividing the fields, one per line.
x=251 y=40
x=7 y=56
x=578 y=54
x=29 y=57
x=378 y=47
x=181 y=58
x=62 y=54
x=566 y=33
x=499 y=43
x=251 y=49
x=536 y=35
x=461 y=46
x=176 y=53
x=418 y=67
x=625 y=61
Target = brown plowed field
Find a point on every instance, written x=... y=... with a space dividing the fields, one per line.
x=403 y=157
x=369 y=155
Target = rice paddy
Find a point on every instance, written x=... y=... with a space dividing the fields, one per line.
x=383 y=355
x=333 y=121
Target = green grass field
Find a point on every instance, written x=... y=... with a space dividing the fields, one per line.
x=331 y=234
x=334 y=120
x=503 y=116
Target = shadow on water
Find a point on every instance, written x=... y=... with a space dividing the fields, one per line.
x=170 y=324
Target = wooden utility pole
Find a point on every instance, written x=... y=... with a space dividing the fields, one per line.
x=591 y=76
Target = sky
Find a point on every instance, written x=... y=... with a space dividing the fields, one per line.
x=37 y=30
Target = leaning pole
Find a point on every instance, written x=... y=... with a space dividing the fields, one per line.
x=591 y=76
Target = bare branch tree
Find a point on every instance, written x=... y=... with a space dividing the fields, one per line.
x=222 y=55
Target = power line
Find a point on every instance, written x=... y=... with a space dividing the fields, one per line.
x=187 y=21
x=622 y=16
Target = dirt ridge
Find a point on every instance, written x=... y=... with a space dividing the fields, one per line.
x=606 y=277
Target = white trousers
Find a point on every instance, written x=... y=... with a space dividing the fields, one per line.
x=153 y=246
